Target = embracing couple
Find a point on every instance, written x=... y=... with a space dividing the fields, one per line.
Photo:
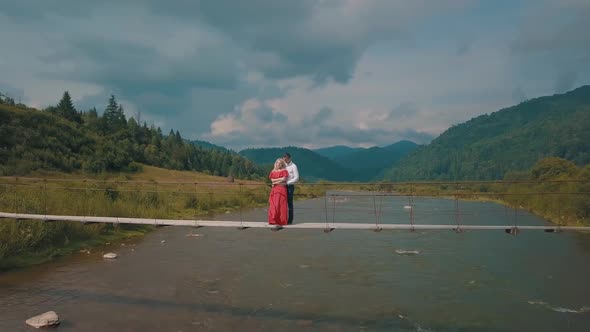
x=283 y=177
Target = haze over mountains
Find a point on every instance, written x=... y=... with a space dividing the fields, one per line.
x=338 y=163
x=486 y=147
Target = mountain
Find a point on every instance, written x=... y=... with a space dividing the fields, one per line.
x=512 y=139
x=208 y=146
x=338 y=151
x=370 y=163
x=312 y=166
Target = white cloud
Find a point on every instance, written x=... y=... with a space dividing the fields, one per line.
x=306 y=72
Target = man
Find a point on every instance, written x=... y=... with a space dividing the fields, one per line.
x=291 y=180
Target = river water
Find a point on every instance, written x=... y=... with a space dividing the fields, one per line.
x=293 y=280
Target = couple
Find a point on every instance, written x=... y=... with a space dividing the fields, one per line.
x=283 y=178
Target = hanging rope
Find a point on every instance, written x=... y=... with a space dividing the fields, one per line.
x=242 y=227
x=411 y=203
x=85 y=203
x=15 y=198
x=45 y=197
x=156 y=201
x=377 y=213
x=457 y=210
x=333 y=209
x=196 y=207
x=327 y=229
x=375 y=210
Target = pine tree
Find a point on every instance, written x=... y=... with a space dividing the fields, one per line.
x=114 y=117
x=66 y=108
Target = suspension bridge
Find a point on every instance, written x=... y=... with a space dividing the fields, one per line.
x=20 y=190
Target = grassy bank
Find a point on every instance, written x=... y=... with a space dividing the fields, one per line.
x=27 y=256
x=152 y=193
x=554 y=189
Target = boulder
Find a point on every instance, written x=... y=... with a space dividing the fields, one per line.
x=47 y=319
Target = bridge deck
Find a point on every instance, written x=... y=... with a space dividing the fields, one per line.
x=254 y=224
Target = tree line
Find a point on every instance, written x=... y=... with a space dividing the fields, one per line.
x=62 y=138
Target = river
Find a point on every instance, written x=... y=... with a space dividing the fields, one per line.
x=293 y=280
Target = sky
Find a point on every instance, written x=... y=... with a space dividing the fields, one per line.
x=309 y=73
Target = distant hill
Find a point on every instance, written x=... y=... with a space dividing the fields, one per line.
x=311 y=165
x=208 y=146
x=370 y=163
x=338 y=151
x=512 y=139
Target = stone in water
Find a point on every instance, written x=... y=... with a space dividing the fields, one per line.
x=47 y=319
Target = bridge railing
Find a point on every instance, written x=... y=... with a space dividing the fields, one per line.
x=563 y=202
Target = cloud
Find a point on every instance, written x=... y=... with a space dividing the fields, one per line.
x=320 y=39
x=403 y=110
x=306 y=72
x=518 y=95
x=11 y=91
x=545 y=31
x=565 y=82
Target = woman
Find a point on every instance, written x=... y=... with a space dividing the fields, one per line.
x=278 y=210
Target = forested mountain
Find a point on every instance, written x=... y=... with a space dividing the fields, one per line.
x=311 y=165
x=209 y=146
x=61 y=138
x=512 y=139
x=338 y=151
x=370 y=163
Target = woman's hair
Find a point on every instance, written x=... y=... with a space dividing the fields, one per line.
x=281 y=162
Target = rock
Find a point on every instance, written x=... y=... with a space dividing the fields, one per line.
x=406 y=252
x=163 y=241
x=47 y=319
x=110 y=255
x=194 y=235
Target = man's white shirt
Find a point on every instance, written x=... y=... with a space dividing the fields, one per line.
x=293 y=173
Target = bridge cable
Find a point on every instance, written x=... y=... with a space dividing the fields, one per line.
x=241 y=204
x=45 y=197
x=327 y=229
x=15 y=204
x=333 y=209
x=411 y=203
x=157 y=200
x=196 y=202
x=457 y=210
x=85 y=206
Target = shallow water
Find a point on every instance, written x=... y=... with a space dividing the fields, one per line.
x=292 y=280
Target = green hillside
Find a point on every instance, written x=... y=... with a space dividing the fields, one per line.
x=63 y=139
x=338 y=151
x=512 y=139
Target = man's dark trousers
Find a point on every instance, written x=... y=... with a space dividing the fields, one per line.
x=290 y=191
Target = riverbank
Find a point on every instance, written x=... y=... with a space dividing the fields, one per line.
x=152 y=193
x=32 y=257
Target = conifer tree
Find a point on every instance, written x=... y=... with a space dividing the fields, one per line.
x=114 y=117
x=66 y=108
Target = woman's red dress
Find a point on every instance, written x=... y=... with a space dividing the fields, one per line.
x=278 y=209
